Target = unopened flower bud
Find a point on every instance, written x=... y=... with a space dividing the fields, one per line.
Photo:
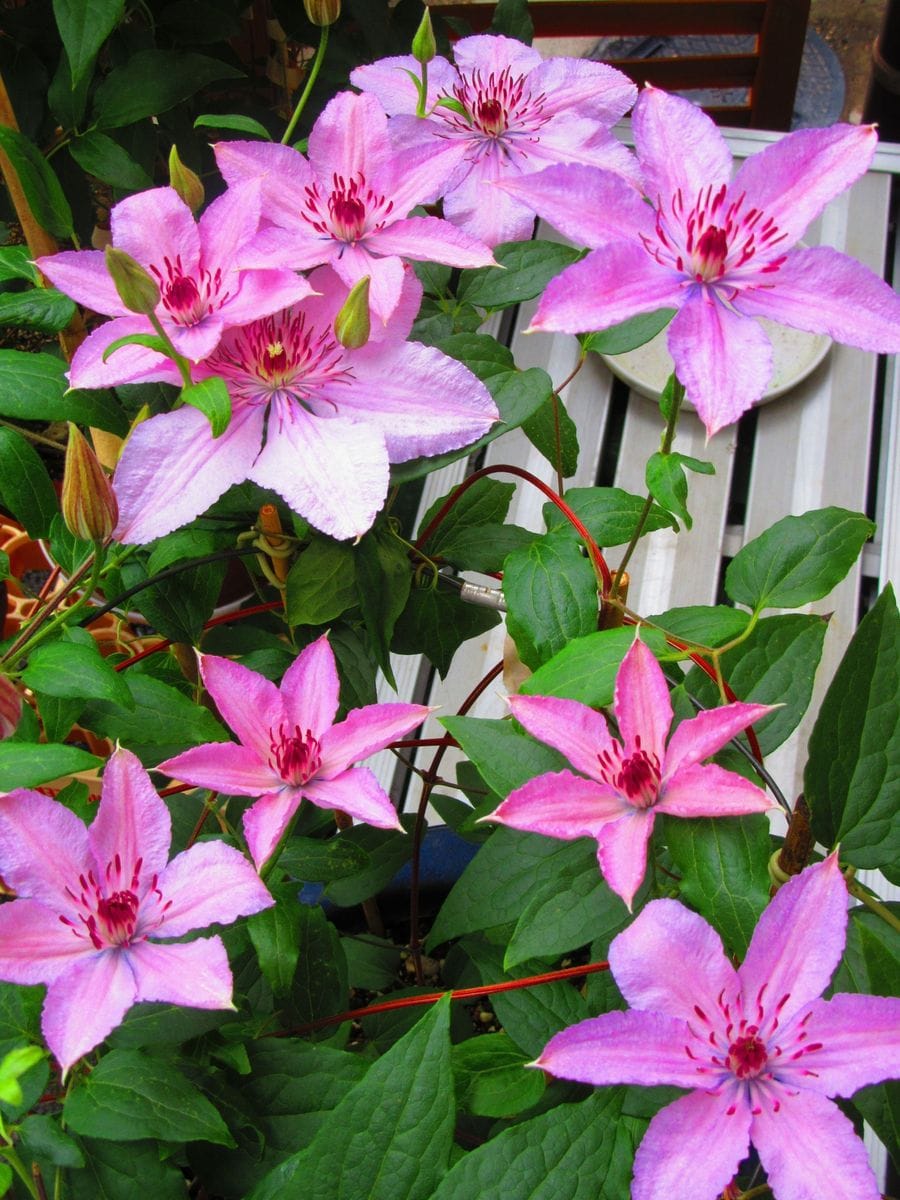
x=352 y=324
x=136 y=287
x=10 y=707
x=185 y=182
x=88 y=503
x=322 y=12
x=424 y=47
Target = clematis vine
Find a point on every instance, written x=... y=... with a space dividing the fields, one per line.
x=349 y=204
x=510 y=113
x=314 y=421
x=290 y=748
x=92 y=904
x=718 y=250
x=760 y=1051
x=203 y=289
x=623 y=785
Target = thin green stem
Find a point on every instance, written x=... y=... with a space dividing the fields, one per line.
x=423 y=92
x=26 y=635
x=179 y=360
x=34 y=437
x=11 y=1156
x=66 y=615
x=874 y=905
x=310 y=84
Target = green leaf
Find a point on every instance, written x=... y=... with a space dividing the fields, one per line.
x=43 y=309
x=321 y=583
x=574 y=1152
x=798 y=559
x=67 y=670
x=511 y=17
x=434 y=277
x=13 y=1066
x=880 y=1107
x=372 y=1144
x=436 y=623
x=541 y=431
x=586 y=668
x=20 y=1007
x=15 y=263
x=67 y=103
x=104 y=158
x=490 y=1076
x=25 y=486
x=150 y=341
x=320 y=986
x=386 y=850
x=42 y=1138
x=275 y=934
x=152 y=82
x=28 y=764
x=529 y=267
x=84 y=25
x=551 y=597
x=504 y=757
x=179 y=606
x=372 y=963
x=486 y=501
x=667 y=482
x=383 y=580
x=723 y=863
x=212 y=398
x=45 y=197
x=58 y=716
x=236 y=121
x=706 y=625
x=124 y=1172
x=33 y=388
x=609 y=515
x=852 y=779
x=129 y=1096
x=315 y=861
x=628 y=335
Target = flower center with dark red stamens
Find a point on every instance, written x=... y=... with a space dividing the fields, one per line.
x=501 y=109
x=709 y=257
x=117 y=915
x=296 y=757
x=114 y=916
x=187 y=298
x=747 y=1056
x=636 y=777
x=490 y=116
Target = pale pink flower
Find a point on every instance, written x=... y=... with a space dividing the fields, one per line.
x=718 y=250
x=522 y=113
x=316 y=422
x=289 y=747
x=349 y=205
x=623 y=785
x=92 y=903
x=203 y=289
x=759 y=1049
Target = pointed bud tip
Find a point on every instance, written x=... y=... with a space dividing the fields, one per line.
x=136 y=287
x=352 y=325
x=88 y=503
x=185 y=182
x=322 y=12
x=424 y=46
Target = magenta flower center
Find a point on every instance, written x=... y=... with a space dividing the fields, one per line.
x=186 y=298
x=502 y=110
x=349 y=212
x=747 y=1056
x=113 y=914
x=296 y=756
x=635 y=776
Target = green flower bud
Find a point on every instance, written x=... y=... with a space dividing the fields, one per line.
x=185 y=182
x=88 y=503
x=322 y=12
x=352 y=325
x=424 y=47
x=137 y=288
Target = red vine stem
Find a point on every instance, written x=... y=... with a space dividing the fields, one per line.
x=224 y=619
x=473 y=993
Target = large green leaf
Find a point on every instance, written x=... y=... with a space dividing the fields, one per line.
x=436 y=623
x=586 y=668
x=315 y=861
x=852 y=779
x=321 y=583
x=628 y=335
x=609 y=514
x=178 y=606
x=390 y=1137
x=490 y=1076
x=152 y=82
x=275 y=934
x=667 y=482
x=42 y=189
x=505 y=758
x=525 y=269
x=553 y=432
x=43 y=309
x=383 y=580
x=131 y=1171
x=84 y=25
x=319 y=986
x=65 y=669
x=99 y=155
x=551 y=597
x=25 y=486
x=129 y=1096
x=212 y=398
x=29 y=764
x=485 y=502
x=33 y=388
x=798 y=559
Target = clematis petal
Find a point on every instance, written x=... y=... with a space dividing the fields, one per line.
x=266 y=820
x=489 y=213
x=669 y=960
x=310 y=689
x=692 y=1139
x=386 y=275
x=132 y=822
x=560 y=804
x=128 y=364
x=350 y=139
x=43 y=847
x=703 y=735
x=35 y=945
x=365 y=731
x=824 y=291
x=284 y=172
x=86 y=1003
x=195 y=974
x=430 y=239
x=82 y=274
x=860 y=1045
x=679 y=147
x=388 y=80
x=606 y=93
x=570 y=138
x=156 y=225
x=642 y=705
x=261 y=293
x=331 y=293
x=723 y=359
x=207 y=884
x=798 y=940
x=809 y=1139
x=172 y=469
x=622 y=852
x=575 y=730
x=249 y=703
x=487 y=52
x=224 y=767
x=710 y=791
x=228 y=223
x=358 y=793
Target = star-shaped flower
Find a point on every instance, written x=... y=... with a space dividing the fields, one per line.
x=93 y=902
x=759 y=1050
x=623 y=785
x=289 y=747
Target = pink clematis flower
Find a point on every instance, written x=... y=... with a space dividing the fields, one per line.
x=522 y=113
x=628 y=782
x=93 y=902
x=203 y=290
x=348 y=205
x=290 y=748
x=716 y=249
x=314 y=421
x=759 y=1049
